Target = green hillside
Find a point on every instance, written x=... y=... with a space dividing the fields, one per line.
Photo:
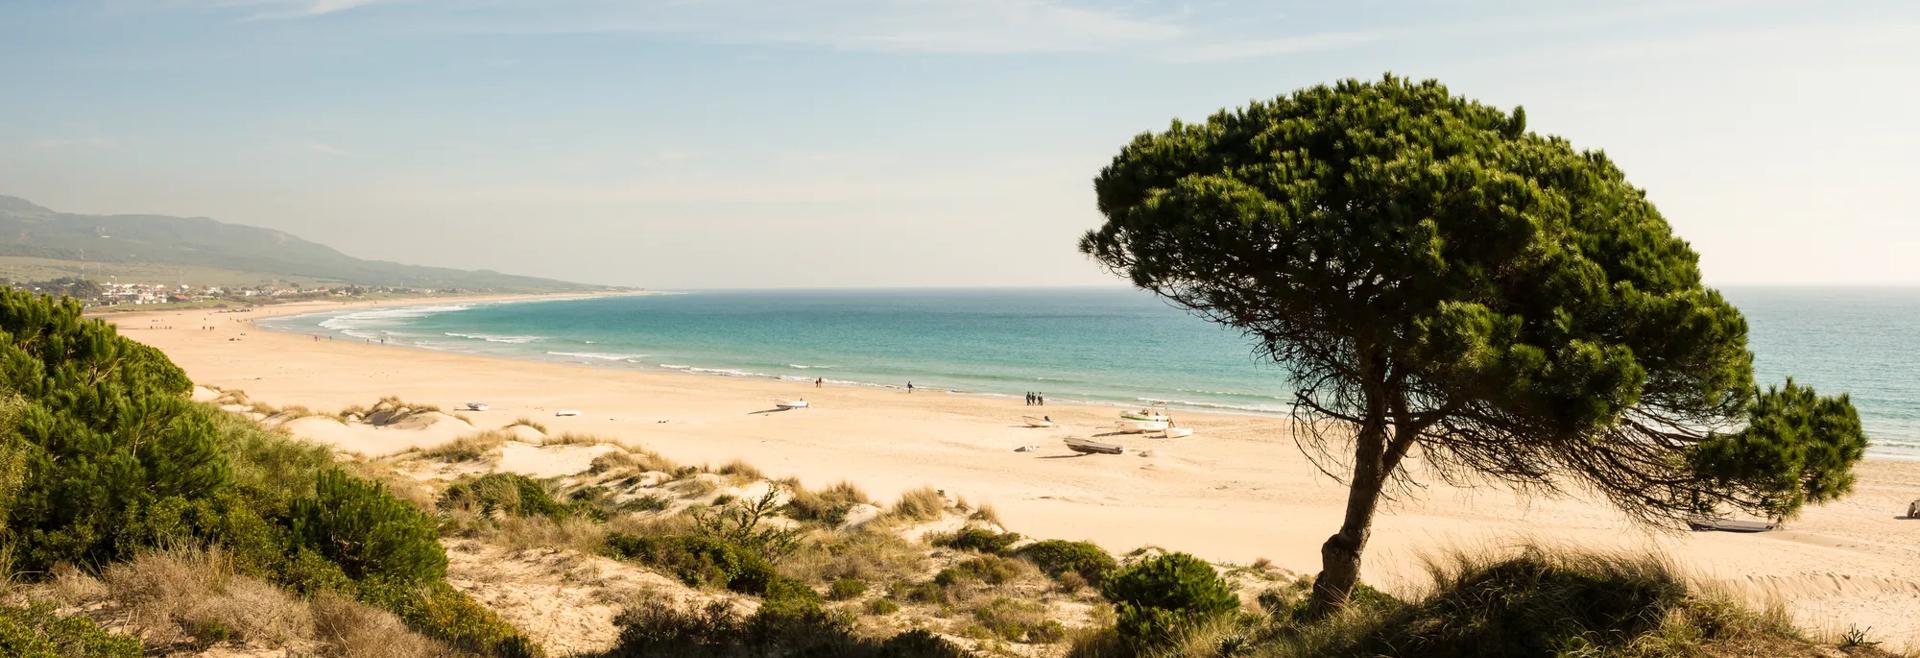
x=116 y=244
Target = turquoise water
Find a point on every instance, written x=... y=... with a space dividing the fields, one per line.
x=1099 y=345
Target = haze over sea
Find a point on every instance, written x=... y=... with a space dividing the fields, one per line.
x=1099 y=345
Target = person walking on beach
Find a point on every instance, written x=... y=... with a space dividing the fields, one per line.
x=819 y=381
x=1029 y=398
x=1040 y=399
x=909 y=388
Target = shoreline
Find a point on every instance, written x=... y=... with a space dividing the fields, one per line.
x=1236 y=491
x=582 y=359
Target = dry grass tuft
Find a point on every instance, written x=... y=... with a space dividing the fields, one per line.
x=741 y=469
x=985 y=513
x=923 y=504
x=829 y=505
x=350 y=629
x=473 y=448
x=528 y=422
x=194 y=595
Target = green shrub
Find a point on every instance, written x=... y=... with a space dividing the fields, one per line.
x=368 y=532
x=655 y=629
x=882 y=607
x=846 y=588
x=101 y=429
x=506 y=493
x=439 y=611
x=975 y=538
x=1158 y=599
x=704 y=561
x=1019 y=621
x=1056 y=557
x=989 y=569
x=1536 y=603
x=34 y=631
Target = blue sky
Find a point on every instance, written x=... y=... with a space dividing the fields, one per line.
x=736 y=143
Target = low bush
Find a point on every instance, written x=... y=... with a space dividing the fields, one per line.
x=741 y=469
x=846 y=588
x=504 y=493
x=975 y=538
x=356 y=524
x=989 y=569
x=441 y=612
x=655 y=629
x=706 y=561
x=1019 y=621
x=882 y=607
x=35 y=631
x=1534 y=603
x=1157 y=599
x=1057 y=557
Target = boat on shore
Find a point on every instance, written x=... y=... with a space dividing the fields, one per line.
x=1037 y=421
x=1092 y=447
x=1177 y=433
x=791 y=404
x=1157 y=413
x=476 y=406
x=1143 y=426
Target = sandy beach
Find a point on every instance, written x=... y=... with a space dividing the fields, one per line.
x=1236 y=491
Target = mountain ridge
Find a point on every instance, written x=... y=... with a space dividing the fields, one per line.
x=28 y=229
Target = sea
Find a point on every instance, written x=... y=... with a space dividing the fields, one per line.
x=1101 y=345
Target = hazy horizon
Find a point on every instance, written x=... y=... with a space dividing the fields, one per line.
x=752 y=145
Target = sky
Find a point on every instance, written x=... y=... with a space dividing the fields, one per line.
x=826 y=143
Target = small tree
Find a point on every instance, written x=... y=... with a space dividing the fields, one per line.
x=1437 y=281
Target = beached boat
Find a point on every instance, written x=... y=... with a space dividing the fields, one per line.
x=1092 y=447
x=567 y=412
x=1143 y=426
x=791 y=404
x=1148 y=415
x=1704 y=523
x=1037 y=421
x=1177 y=432
x=476 y=406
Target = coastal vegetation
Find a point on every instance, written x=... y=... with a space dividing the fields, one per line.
x=219 y=532
x=1442 y=286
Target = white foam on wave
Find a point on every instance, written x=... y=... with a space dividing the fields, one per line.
x=802 y=366
x=516 y=340
x=378 y=315
x=601 y=356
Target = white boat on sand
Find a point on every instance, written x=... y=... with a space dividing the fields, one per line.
x=1143 y=426
x=1037 y=421
x=476 y=406
x=791 y=404
x=1177 y=432
x=1148 y=415
x=567 y=412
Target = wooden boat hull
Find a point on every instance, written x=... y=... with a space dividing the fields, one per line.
x=1090 y=447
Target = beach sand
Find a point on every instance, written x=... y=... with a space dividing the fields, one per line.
x=1236 y=491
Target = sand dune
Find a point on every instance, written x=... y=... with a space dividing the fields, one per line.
x=1236 y=491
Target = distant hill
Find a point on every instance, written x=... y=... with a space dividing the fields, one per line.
x=141 y=243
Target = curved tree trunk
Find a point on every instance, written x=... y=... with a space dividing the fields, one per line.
x=1340 y=555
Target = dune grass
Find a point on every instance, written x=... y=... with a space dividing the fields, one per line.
x=923 y=504
x=828 y=506
x=471 y=448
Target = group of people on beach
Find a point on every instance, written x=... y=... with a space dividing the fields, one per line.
x=1036 y=399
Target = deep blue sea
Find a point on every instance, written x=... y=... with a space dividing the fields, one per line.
x=1099 y=345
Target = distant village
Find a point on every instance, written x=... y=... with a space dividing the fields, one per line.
x=95 y=294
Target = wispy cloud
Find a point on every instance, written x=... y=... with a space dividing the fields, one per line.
x=63 y=143
x=1270 y=47
x=319 y=147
